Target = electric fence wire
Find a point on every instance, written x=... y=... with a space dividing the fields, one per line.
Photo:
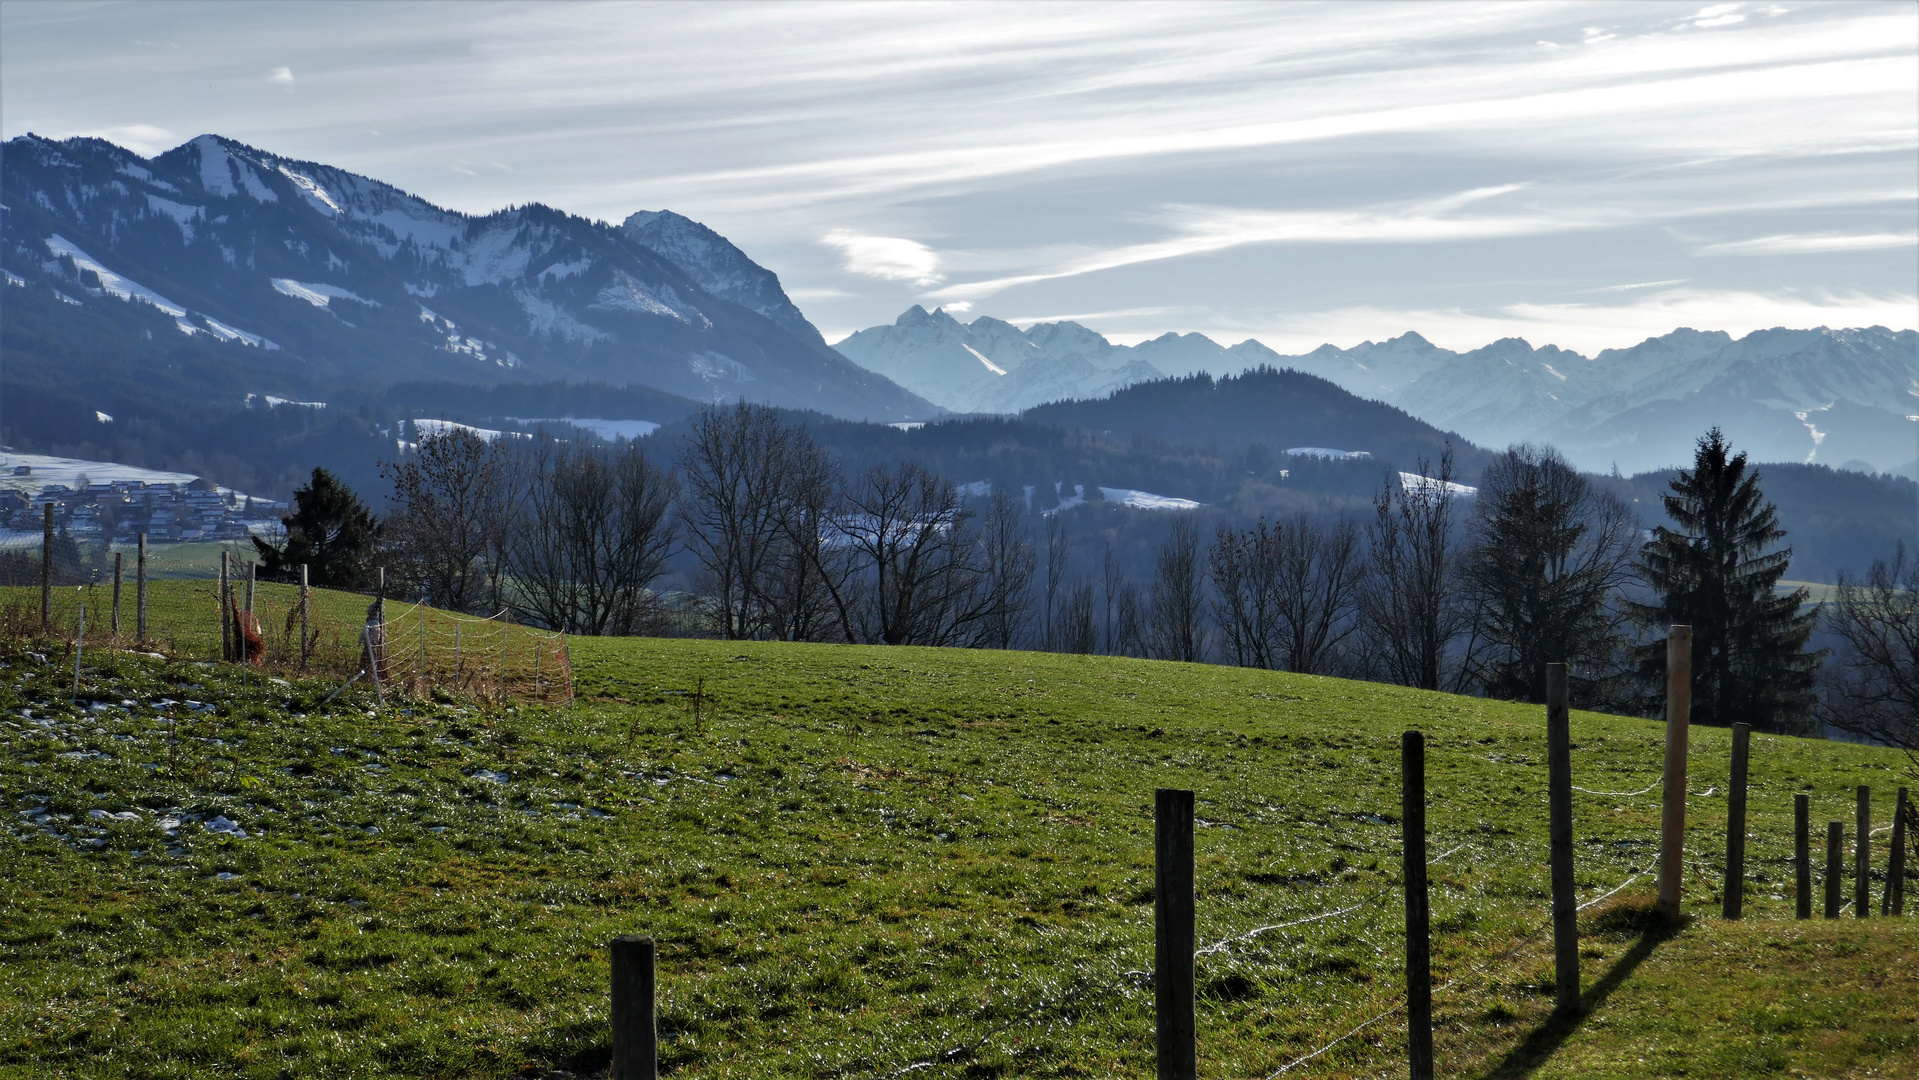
x=1476 y=969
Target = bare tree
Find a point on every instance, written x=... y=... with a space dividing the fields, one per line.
x=735 y=465
x=1317 y=593
x=1549 y=554
x=1874 y=690
x=1055 y=573
x=811 y=585
x=1110 y=581
x=1129 y=626
x=908 y=524
x=1244 y=566
x=1177 y=629
x=590 y=533
x=1077 y=631
x=448 y=509
x=1006 y=552
x=1413 y=606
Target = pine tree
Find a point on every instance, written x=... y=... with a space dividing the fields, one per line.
x=331 y=531
x=1715 y=573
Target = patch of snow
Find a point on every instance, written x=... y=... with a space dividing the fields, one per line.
x=547 y=319
x=429 y=290
x=487 y=775
x=316 y=294
x=1146 y=500
x=977 y=489
x=224 y=826
x=316 y=196
x=275 y=402
x=605 y=429
x=562 y=271
x=1416 y=484
x=227 y=333
x=65 y=472
x=182 y=214
x=981 y=357
x=14 y=279
x=718 y=367
x=115 y=285
x=627 y=293
x=104 y=418
x=429 y=428
x=1328 y=454
x=908 y=425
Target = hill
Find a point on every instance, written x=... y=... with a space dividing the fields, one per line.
x=859 y=860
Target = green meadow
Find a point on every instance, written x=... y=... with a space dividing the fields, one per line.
x=876 y=862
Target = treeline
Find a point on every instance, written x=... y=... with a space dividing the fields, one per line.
x=1428 y=589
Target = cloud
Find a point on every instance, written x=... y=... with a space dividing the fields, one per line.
x=1641 y=285
x=143 y=139
x=1811 y=243
x=1201 y=230
x=282 y=76
x=889 y=258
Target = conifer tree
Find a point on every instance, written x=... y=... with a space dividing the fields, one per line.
x=331 y=531
x=1716 y=571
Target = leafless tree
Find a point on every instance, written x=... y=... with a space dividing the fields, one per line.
x=909 y=527
x=449 y=510
x=590 y=533
x=811 y=585
x=1413 y=606
x=1129 y=625
x=1874 y=688
x=1317 y=593
x=1077 y=631
x=1177 y=629
x=735 y=465
x=1055 y=573
x=1548 y=556
x=1006 y=552
x=1110 y=579
x=1244 y=566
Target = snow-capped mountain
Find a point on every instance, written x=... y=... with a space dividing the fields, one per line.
x=992 y=366
x=354 y=278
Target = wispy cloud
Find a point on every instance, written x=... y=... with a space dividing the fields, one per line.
x=281 y=75
x=1811 y=243
x=888 y=258
x=143 y=139
x=1641 y=285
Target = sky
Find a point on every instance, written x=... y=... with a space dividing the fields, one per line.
x=1580 y=174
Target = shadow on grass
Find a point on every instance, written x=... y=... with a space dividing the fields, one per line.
x=1617 y=923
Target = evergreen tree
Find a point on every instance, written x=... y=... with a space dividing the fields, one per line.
x=1715 y=573
x=331 y=531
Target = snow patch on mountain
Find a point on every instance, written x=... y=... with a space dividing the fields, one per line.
x=716 y=266
x=317 y=295
x=627 y=293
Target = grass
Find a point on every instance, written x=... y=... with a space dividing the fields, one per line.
x=860 y=859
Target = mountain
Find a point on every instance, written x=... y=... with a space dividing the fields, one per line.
x=990 y=366
x=330 y=279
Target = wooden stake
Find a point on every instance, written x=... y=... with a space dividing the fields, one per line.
x=1672 y=821
x=1733 y=906
x=140 y=593
x=79 y=646
x=1835 y=869
x=635 y=1035
x=1173 y=934
x=1894 y=903
x=226 y=611
x=46 y=572
x=1559 y=781
x=305 y=636
x=1862 y=856
x=118 y=558
x=1802 y=855
x=1419 y=959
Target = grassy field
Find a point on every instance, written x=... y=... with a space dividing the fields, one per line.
x=861 y=860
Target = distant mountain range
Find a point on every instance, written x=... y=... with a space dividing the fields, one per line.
x=334 y=279
x=1836 y=397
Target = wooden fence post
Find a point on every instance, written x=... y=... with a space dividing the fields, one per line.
x=140 y=593
x=79 y=646
x=1672 y=820
x=1419 y=959
x=1173 y=934
x=1734 y=904
x=118 y=561
x=1894 y=903
x=1862 y=856
x=1835 y=868
x=1559 y=779
x=1802 y=855
x=226 y=611
x=305 y=598
x=635 y=1036
x=46 y=572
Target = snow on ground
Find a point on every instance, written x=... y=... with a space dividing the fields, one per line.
x=1328 y=453
x=316 y=294
x=978 y=489
x=1415 y=484
x=605 y=429
x=275 y=402
x=115 y=285
x=227 y=333
x=1146 y=500
x=65 y=471
x=908 y=425
x=429 y=428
